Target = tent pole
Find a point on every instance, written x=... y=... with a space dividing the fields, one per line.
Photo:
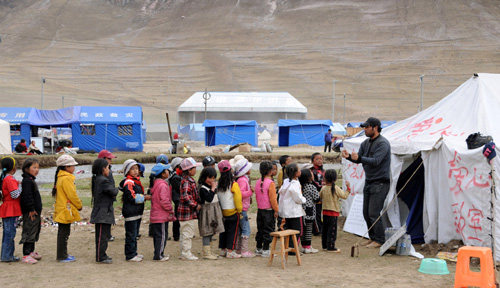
x=106 y=137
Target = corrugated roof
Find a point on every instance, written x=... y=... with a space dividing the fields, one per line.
x=244 y=102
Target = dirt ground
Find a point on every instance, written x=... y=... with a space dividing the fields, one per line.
x=317 y=270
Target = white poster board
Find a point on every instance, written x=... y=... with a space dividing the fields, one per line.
x=355 y=223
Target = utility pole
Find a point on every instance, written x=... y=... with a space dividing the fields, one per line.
x=43 y=81
x=343 y=121
x=206 y=97
x=333 y=102
x=62 y=100
x=422 y=92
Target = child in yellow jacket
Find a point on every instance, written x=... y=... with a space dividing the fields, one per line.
x=67 y=204
x=330 y=194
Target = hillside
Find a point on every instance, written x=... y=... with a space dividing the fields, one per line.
x=158 y=53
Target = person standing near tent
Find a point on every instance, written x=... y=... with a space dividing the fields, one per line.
x=375 y=156
x=328 y=140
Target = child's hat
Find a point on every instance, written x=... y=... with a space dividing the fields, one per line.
x=176 y=162
x=159 y=168
x=127 y=165
x=66 y=160
x=209 y=160
x=242 y=167
x=189 y=163
x=224 y=166
x=236 y=159
x=162 y=158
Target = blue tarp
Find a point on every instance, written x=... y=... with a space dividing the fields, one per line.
x=387 y=123
x=54 y=117
x=311 y=132
x=196 y=132
x=230 y=132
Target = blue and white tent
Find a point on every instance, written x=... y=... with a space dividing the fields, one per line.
x=111 y=128
x=230 y=132
x=311 y=132
x=18 y=120
x=338 y=129
x=196 y=132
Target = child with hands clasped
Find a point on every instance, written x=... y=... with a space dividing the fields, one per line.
x=67 y=204
x=210 y=218
x=265 y=194
x=31 y=206
x=330 y=194
x=229 y=195
x=133 y=207
x=188 y=207
x=10 y=209
x=162 y=210
x=103 y=196
x=242 y=170
x=291 y=200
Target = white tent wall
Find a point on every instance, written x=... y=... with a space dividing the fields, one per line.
x=457 y=195
x=5 y=145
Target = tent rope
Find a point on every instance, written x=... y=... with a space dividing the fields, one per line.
x=400 y=190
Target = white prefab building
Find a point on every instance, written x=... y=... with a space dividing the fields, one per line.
x=263 y=107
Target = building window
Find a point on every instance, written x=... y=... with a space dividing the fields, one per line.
x=15 y=129
x=87 y=129
x=125 y=130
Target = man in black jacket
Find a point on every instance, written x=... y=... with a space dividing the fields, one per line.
x=375 y=155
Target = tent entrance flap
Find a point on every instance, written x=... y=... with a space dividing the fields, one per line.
x=413 y=196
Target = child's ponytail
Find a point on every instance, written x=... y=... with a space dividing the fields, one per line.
x=8 y=163
x=54 y=189
x=331 y=177
x=291 y=170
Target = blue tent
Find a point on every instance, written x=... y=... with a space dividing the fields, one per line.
x=18 y=120
x=196 y=132
x=387 y=123
x=338 y=129
x=230 y=132
x=293 y=132
x=111 y=128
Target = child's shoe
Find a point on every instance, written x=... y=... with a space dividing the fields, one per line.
x=140 y=256
x=207 y=253
x=189 y=257
x=233 y=255
x=28 y=259
x=258 y=252
x=247 y=254
x=335 y=250
x=35 y=256
x=135 y=259
x=266 y=253
x=310 y=250
x=222 y=253
x=69 y=259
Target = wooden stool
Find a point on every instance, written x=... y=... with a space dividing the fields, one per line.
x=285 y=240
x=465 y=277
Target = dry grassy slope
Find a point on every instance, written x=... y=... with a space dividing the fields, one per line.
x=96 y=53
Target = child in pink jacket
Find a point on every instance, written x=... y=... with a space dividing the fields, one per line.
x=241 y=170
x=162 y=211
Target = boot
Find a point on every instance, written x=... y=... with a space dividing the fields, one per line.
x=207 y=253
x=238 y=245
x=245 y=253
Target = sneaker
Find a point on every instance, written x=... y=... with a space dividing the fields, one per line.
x=106 y=261
x=111 y=239
x=109 y=257
x=68 y=260
x=135 y=259
x=335 y=250
x=71 y=257
x=258 y=252
x=233 y=255
x=35 y=256
x=247 y=254
x=302 y=249
x=189 y=258
x=28 y=259
x=222 y=253
x=310 y=250
x=140 y=256
x=164 y=258
x=266 y=253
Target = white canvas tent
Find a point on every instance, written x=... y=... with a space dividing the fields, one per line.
x=456 y=200
x=5 y=147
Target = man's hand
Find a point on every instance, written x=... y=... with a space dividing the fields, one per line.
x=345 y=154
x=32 y=215
x=354 y=156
